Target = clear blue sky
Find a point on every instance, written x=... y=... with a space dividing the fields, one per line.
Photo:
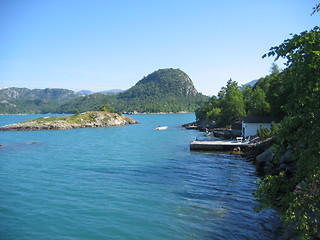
x=100 y=45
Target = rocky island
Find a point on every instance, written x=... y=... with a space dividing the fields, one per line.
x=82 y=120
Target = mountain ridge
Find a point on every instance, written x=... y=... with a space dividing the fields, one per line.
x=164 y=90
x=57 y=94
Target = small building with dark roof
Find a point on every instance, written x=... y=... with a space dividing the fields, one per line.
x=251 y=125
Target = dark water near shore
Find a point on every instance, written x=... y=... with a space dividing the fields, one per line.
x=129 y=182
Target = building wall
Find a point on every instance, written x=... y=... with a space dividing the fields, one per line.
x=251 y=129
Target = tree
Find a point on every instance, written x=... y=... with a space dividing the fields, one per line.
x=255 y=101
x=224 y=109
x=106 y=108
x=76 y=112
x=274 y=69
x=209 y=111
x=276 y=92
x=231 y=103
x=297 y=195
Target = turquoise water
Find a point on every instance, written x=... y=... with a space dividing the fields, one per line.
x=128 y=182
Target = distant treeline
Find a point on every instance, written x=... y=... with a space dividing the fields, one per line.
x=266 y=98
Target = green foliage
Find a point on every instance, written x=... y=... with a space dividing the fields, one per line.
x=276 y=93
x=224 y=109
x=231 y=103
x=275 y=70
x=269 y=190
x=165 y=90
x=266 y=98
x=294 y=96
x=255 y=101
x=107 y=108
x=265 y=133
x=297 y=195
x=202 y=113
x=173 y=81
x=214 y=113
x=76 y=112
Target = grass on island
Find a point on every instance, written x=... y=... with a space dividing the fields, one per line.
x=76 y=118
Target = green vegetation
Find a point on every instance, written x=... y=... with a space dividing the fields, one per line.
x=165 y=90
x=231 y=103
x=228 y=106
x=23 y=100
x=106 y=108
x=297 y=196
x=266 y=98
x=73 y=119
x=265 y=133
x=255 y=101
x=87 y=119
x=292 y=95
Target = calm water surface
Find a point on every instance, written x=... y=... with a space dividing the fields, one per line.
x=129 y=182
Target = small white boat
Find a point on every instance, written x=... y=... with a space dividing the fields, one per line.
x=161 y=128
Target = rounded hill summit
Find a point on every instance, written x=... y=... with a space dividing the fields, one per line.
x=167 y=81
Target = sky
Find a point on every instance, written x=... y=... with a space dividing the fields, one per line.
x=112 y=44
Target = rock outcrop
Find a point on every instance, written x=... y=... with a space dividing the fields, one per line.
x=83 y=120
x=263 y=157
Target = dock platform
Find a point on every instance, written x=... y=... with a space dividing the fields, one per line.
x=217 y=145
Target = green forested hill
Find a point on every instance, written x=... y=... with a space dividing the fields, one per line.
x=23 y=100
x=165 y=81
x=165 y=90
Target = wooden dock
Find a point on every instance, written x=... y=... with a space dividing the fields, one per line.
x=230 y=145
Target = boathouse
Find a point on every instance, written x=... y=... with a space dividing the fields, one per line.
x=251 y=125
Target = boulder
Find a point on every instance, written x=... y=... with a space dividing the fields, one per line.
x=287 y=156
x=263 y=158
x=269 y=168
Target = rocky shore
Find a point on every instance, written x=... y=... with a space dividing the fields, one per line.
x=259 y=151
x=261 y=154
x=83 y=120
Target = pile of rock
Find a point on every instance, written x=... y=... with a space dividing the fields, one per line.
x=262 y=155
x=266 y=163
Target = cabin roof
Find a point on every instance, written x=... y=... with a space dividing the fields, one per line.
x=260 y=120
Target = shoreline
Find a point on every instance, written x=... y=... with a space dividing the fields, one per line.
x=84 y=120
x=127 y=113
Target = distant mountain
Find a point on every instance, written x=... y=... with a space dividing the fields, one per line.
x=252 y=83
x=23 y=100
x=85 y=92
x=56 y=94
x=165 y=90
x=111 y=91
x=161 y=83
